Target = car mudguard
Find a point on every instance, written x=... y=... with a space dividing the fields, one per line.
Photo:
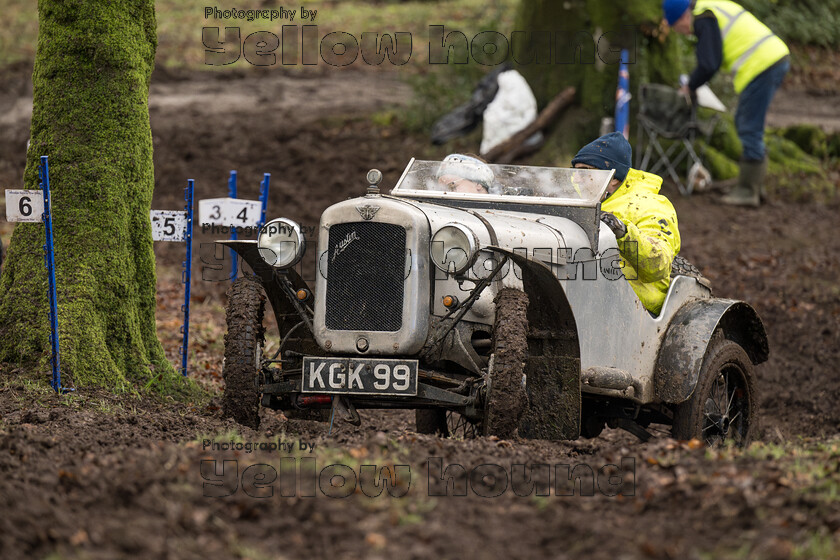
x=553 y=370
x=285 y=310
x=684 y=347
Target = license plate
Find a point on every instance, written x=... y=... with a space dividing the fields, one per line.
x=359 y=376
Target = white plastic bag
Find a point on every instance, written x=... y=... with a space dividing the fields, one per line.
x=513 y=108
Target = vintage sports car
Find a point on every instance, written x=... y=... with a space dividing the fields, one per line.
x=496 y=310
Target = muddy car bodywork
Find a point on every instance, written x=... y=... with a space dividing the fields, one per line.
x=390 y=293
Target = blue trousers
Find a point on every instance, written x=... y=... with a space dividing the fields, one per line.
x=752 y=109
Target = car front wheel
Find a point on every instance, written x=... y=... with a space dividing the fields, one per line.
x=243 y=351
x=507 y=399
x=723 y=405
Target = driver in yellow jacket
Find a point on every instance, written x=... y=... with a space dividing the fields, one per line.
x=644 y=222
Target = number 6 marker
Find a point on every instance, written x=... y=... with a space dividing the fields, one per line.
x=24 y=205
x=29 y=206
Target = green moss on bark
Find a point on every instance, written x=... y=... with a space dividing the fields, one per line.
x=612 y=26
x=719 y=165
x=724 y=138
x=793 y=157
x=90 y=116
x=814 y=141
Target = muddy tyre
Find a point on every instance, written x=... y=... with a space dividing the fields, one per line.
x=459 y=426
x=723 y=405
x=681 y=266
x=243 y=351
x=507 y=400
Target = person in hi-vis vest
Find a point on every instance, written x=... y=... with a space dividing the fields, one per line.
x=731 y=38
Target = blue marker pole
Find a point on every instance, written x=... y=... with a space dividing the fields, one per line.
x=234 y=269
x=49 y=260
x=186 y=275
x=622 y=97
x=264 y=198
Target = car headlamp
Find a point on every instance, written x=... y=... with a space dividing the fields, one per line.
x=454 y=248
x=281 y=243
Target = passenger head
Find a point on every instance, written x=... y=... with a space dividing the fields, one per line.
x=465 y=173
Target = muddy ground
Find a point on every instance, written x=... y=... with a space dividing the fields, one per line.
x=98 y=476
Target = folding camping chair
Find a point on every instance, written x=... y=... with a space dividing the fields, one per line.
x=664 y=114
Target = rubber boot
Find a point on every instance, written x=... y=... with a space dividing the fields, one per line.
x=762 y=185
x=750 y=182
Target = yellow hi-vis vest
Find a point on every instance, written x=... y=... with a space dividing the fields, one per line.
x=749 y=47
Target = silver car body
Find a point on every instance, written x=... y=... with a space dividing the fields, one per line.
x=405 y=295
x=618 y=338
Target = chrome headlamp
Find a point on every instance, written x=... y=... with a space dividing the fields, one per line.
x=454 y=248
x=281 y=243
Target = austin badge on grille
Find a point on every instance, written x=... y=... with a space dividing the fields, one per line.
x=367 y=212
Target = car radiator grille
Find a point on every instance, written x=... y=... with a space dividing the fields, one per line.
x=365 y=277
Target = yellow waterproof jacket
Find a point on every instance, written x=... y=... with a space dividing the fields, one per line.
x=652 y=239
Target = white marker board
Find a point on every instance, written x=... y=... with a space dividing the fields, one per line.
x=24 y=205
x=229 y=212
x=168 y=225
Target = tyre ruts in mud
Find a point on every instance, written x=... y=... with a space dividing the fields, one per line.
x=243 y=347
x=723 y=405
x=506 y=397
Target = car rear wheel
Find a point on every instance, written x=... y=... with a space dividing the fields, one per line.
x=446 y=423
x=243 y=351
x=723 y=405
x=430 y=421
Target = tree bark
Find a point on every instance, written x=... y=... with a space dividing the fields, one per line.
x=586 y=36
x=90 y=116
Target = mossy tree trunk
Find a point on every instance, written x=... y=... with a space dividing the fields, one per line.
x=584 y=27
x=90 y=116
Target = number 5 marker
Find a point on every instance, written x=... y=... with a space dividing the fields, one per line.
x=176 y=225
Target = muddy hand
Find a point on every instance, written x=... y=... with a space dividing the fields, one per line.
x=616 y=225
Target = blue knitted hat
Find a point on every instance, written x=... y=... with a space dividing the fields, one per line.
x=674 y=9
x=611 y=151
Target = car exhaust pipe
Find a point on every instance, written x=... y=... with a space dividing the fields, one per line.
x=305 y=401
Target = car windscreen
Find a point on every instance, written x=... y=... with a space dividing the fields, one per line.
x=471 y=180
